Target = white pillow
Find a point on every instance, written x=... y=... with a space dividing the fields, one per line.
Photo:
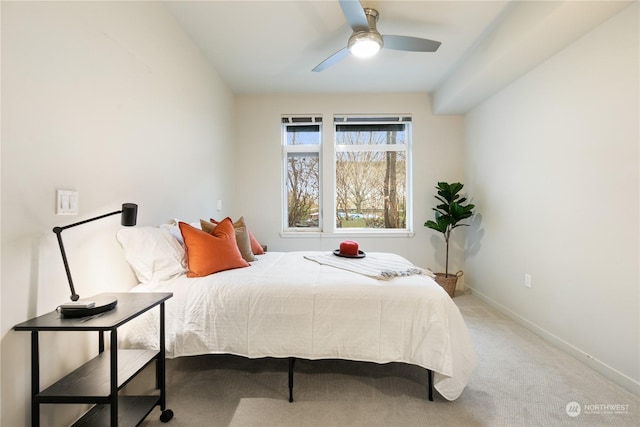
x=152 y=252
x=172 y=226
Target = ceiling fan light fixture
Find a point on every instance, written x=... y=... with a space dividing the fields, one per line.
x=365 y=44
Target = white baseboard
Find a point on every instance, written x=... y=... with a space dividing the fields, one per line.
x=609 y=372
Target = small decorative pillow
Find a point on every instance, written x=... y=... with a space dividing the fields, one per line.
x=256 y=247
x=211 y=253
x=242 y=239
x=152 y=252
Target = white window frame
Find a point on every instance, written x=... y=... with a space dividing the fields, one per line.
x=405 y=148
x=300 y=120
x=327 y=149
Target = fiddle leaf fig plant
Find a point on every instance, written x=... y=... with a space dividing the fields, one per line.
x=449 y=213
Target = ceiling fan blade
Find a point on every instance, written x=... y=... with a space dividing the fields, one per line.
x=353 y=11
x=412 y=44
x=332 y=59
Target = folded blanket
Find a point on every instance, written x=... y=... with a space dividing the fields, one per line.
x=373 y=265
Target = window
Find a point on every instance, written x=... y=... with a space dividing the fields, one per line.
x=371 y=169
x=301 y=156
x=366 y=180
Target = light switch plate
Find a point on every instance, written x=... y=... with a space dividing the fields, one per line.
x=66 y=202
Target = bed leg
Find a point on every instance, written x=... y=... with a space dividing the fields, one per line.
x=430 y=384
x=292 y=362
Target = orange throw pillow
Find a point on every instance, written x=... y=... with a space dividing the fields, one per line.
x=210 y=253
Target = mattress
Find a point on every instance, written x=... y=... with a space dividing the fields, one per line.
x=285 y=305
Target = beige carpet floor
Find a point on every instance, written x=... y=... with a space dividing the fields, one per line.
x=520 y=381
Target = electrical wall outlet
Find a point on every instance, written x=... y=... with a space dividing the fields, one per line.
x=66 y=202
x=527 y=280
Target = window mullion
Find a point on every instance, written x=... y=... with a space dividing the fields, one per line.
x=329 y=179
x=370 y=148
x=310 y=148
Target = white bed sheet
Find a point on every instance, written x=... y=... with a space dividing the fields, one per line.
x=288 y=306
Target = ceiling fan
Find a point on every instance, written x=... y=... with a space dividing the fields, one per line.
x=366 y=41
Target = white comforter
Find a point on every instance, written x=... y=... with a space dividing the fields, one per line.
x=288 y=306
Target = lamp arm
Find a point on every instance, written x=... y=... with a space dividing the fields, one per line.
x=85 y=221
x=74 y=296
x=58 y=232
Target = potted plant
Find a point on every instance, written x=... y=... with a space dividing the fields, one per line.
x=448 y=214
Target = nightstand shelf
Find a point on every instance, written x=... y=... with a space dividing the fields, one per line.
x=92 y=381
x=131 y=410
x=99 y=380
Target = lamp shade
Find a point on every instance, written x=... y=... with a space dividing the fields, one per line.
x=129 y=214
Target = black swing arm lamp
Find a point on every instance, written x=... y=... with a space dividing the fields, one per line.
x=129 y=213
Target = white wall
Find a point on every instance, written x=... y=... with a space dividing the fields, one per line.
x=552 y=164
x=437 y=156
x=113 y=100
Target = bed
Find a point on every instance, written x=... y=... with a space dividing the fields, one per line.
x=293 y=305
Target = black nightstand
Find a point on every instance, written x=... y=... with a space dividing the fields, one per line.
x=99 y=380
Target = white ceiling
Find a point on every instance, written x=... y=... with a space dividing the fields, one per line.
x=261 y=47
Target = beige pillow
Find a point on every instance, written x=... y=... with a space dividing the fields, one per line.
x=242 y=238
x=256 y=247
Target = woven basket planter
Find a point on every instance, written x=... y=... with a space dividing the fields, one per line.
x=448 y=281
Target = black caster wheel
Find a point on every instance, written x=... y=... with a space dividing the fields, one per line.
x=166 y=416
